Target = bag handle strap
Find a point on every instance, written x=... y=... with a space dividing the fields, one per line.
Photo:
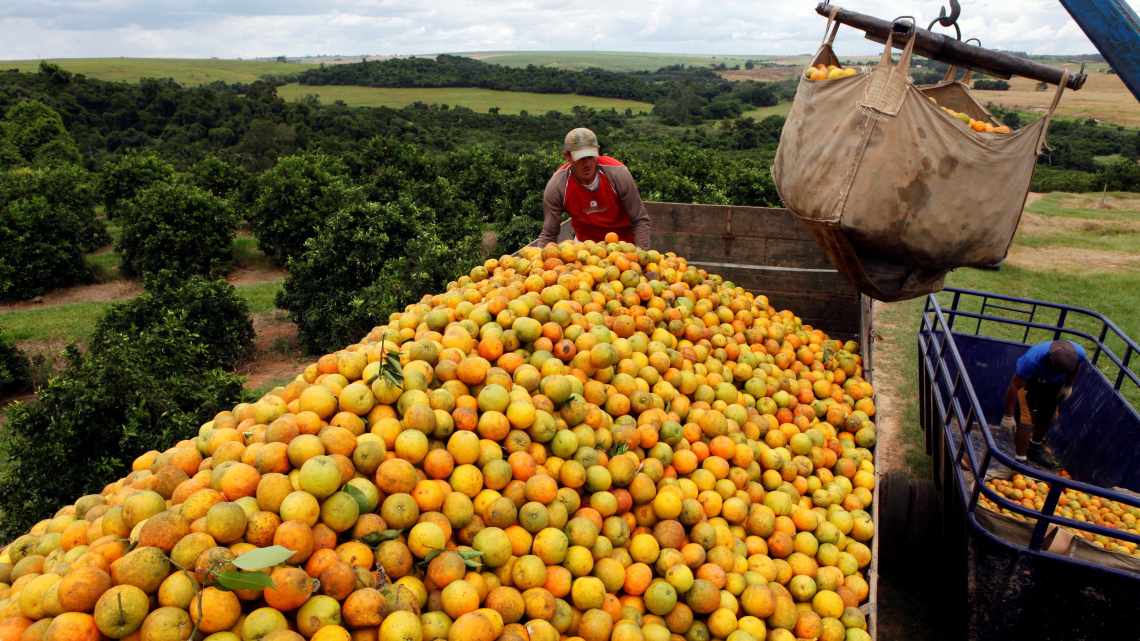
x=953 y=71
x=1057 y=95
x=904 y=61
x=1052 y=108
x=832 y=27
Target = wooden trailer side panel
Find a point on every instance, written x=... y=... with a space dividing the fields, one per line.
x=765 y=250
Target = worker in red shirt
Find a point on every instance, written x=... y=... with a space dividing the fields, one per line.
x=598 y=193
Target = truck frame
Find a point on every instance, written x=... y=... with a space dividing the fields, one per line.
x=1016 y=578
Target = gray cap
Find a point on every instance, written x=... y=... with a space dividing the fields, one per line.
x=581 y=142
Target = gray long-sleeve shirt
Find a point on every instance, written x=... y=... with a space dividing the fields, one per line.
x=622 y=182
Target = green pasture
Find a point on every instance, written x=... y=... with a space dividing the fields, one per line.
x=609 y=60
x=508 y=102
x=75 y=322
x=760 y=113
x=186 y=71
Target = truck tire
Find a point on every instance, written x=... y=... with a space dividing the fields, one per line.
x=909 y=521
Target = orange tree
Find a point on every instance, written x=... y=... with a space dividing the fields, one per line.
x=293 y=198
x=210 y=310
x=14 y=374
x=137 y=392
x=124 y=177
x=366 y=261
x=47 y=222
x=173 y=225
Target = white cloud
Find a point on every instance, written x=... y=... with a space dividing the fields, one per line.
x=249 y=28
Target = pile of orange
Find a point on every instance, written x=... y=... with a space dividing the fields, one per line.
x=829 y=72
x=980 y=126
x=1074 y=505
x=586 y=441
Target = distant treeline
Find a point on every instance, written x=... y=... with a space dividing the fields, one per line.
x=680 y=94
x=461 y=71
x=250 y=125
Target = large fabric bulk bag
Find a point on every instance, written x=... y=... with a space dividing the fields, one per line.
x=898 y=191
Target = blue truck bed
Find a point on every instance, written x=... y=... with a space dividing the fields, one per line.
x=1018 y=571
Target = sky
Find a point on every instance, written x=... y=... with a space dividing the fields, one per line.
x=259 y=28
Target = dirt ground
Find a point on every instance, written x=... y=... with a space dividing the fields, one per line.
x=276 y=358
x=94 y=293
x=1076 y=259
x=255 y=275
x=277 y=355
x=1071 y=259
x=891 y=454
x=904 y=605
x=1104 y=97
x=1037 y=224
x=1128 y=202
x=123 y=289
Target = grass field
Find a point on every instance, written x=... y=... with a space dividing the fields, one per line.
x=1068 y=250
x=609 y=60
x=763 y=74
x=186 y=71
x=74 y=322
x=778 y=109
x=1103 y=97
x=509 y=102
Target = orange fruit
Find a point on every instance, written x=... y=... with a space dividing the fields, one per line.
x=214 y=610
x=291 y=589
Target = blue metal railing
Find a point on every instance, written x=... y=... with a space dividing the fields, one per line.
x=949 y=403
x=1099 y=329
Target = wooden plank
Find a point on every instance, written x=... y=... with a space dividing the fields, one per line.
x=822 y=299
x=844 y=315
x=746 y=251
x=867 y=336
x=710 y=247
x=821 y=283
x=714 y=220
x=815 y=306
x=742 y=222
x=796 y=253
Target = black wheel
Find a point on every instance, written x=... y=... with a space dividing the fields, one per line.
x=909 y=521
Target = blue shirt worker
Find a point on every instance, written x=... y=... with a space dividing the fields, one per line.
x=1042 y=380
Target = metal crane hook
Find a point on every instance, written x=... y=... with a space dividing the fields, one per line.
x=948 y=20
